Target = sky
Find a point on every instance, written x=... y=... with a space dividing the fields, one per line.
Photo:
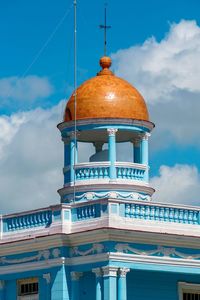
x=155 y=45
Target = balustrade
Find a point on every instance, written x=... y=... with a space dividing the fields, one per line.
x=86 y=212
x=100 y=170
x=130 y=171
x=92 y=171
x=160 y=213
x=42 y=218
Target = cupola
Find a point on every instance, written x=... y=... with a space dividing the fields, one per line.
x=106 y=149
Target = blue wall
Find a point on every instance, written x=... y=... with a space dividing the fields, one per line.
x=87 y=286
x=143 y=285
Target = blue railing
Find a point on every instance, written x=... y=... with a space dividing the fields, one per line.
x=87 y=212
x=130 y=171
x=162 y=213
x=41 y=218
x=100 y=170
x=93 y=170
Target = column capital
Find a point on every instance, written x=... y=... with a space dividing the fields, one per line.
x=72 y=134
x=110 y=271
x=123 y=271
x=112 y=131
x=2 y=284
x=75 y=276
x=66 y=140
x=136 y=141
x=146 y=136
x=98 y=272
x=47 y=277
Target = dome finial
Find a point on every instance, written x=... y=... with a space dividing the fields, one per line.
x=105 y=62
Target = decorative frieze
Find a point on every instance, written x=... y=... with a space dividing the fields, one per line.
x=44 y=254
x=158 y=251
x=95 y=249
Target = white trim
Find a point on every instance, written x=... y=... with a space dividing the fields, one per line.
x=187 y=287
x=92 y=164
x=130 y=165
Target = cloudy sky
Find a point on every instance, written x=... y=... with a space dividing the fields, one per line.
x=155 y=45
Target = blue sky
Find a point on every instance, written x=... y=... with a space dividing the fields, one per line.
x=160 y=38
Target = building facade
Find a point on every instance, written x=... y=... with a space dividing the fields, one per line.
x=106 y=240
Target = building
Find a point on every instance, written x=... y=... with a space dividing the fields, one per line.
x=106 y=240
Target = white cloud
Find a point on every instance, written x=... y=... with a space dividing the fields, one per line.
x=167 y=74
x=31 y=159
x=27 y=88
x=178 y=184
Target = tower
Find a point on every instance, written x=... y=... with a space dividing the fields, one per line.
x=110 y=114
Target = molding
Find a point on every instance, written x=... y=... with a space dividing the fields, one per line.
x=110 y=271
x=75 y=276
x=123 y=271
x=47 y=277
x=107 y=121
x=119 y=184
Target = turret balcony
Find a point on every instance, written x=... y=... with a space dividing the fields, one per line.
x=93 y=171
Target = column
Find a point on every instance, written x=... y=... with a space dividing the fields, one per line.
x=2 y=289
x=122 y=290
x=145 y=155
x=73 y=155
x=110 y=282
x=112 y=152
x=137 y=151
x=66 y=159
x=75 y=276
x=98 y=274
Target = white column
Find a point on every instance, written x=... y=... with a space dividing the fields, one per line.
x=122 y=286
x=112 y=152
x=110 y=282
x=145 y=155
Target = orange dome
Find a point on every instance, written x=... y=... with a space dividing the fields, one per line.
x=106 y=96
